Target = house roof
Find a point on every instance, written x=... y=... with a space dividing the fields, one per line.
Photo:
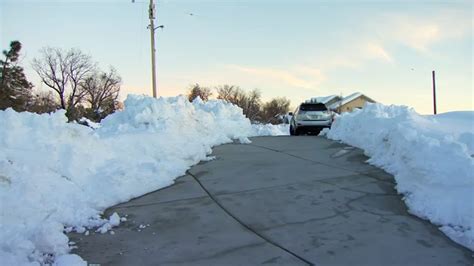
x=324 y=99
x=348 y=99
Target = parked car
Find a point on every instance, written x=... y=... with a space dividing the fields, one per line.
x=310 y=118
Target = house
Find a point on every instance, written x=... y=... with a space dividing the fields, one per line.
x=343 y=104
x=327 y=100
x=351 y=102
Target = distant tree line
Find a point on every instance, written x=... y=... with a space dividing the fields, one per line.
x=250 y=101
x=76 y=84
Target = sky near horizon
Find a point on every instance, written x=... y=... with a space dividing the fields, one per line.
x=296 y=49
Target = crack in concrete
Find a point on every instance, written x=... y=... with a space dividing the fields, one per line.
x=380 y=215
x=215 y=255
x=368 y=193
x=282 y=185
x=308 y=160
x=388 y=180
x=348 y=205
x=338 y=213
x=159 y=202
x=246 y=226
x=323 y=181
x=326 y=180
x=368 y=173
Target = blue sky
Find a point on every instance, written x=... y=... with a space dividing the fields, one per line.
x=297 y=49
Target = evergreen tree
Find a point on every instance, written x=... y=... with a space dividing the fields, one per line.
x=15 y=89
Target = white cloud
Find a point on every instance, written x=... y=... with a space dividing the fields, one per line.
x=343 y=60
x=421 y=32
x=388 y=30
x=375 y=50
x=299 y=76
x=414 y=33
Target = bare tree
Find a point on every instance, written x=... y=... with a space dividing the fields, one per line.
x=232 y=94
x=80 y=67
x=196 y=90
x=43 y=102
x=252 y=104
x=274 y=109
x=249 y=102
x=101 y=91
x=63 y=71
x=227 y=92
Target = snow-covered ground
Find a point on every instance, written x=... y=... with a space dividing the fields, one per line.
x=431 y=158
x=57 y=177
x=270 y=130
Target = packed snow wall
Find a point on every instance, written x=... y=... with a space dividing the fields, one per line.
x=57 y=176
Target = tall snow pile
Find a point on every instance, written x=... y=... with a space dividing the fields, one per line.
x=431 y=158
x=56 y=175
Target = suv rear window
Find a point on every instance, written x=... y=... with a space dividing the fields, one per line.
x=313 y=107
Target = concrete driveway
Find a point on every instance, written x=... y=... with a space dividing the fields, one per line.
x=281 y=201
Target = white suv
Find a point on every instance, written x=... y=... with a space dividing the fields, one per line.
x=310 y=118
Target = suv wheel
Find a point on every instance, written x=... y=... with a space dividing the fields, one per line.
x=297 y=132
x=292 y=131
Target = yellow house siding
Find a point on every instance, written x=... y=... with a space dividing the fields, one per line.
x=356 y=103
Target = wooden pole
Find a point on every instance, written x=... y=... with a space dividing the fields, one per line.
x=434 y=91
x=152 y=35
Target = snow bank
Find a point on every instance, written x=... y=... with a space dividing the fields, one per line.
x=270 y=130
x=57 y=177
x=431 y=158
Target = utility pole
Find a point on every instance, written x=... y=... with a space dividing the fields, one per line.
x=151 y=15
x=434 y=91
x=151 y=12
